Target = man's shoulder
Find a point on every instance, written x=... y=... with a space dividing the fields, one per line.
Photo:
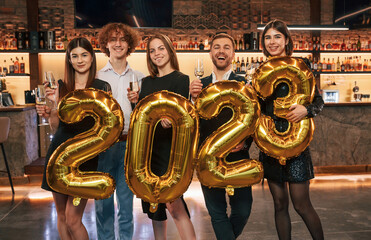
x=207 y=80
x=236 y=77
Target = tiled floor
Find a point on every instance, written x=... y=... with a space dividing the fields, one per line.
x=342 y=202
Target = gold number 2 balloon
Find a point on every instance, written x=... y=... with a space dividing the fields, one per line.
x=212 y=169
x=299 y=78
x=62 y=171
x=147 y=114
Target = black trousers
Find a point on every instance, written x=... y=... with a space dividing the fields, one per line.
x=228 y=227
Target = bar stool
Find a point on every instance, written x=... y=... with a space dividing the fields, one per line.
x=4 y=131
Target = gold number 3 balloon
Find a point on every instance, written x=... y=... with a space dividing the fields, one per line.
x=63 y=174
x=212 y=169
x=147 y=114
x=300 y=81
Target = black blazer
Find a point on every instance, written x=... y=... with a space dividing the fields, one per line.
x=207 y=127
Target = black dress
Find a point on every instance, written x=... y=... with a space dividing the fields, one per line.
x=297 y=169
x=175 y=82
x=67 y=131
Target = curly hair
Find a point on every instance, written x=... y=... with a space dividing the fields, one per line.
x=131 y=36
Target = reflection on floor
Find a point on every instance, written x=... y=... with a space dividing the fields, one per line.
x=342 y=202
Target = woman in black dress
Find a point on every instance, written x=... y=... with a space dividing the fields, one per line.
x=80 y=73
x=295 y=175
x=164 y=75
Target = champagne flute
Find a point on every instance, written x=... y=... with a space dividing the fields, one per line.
x=199 y=68
x=134 y=84
x=41 y=100
x=49 y=77
x=250 y=70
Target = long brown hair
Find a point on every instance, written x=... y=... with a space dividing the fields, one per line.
x=69 y=73
x=152 y=68
x=282 y=28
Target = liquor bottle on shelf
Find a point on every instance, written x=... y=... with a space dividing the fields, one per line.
x=41 y=40
x=329 y=65
x=93 y=41
x=195 y=44
x=22 y=66
x=235 y=44
x=243 y=66
x=310 y=44
x=11 y=66
x=238 y=64
x=97 y=46
x=5 y=68
x=19 y=40
x=343 y=47
x=234 y=65
x=333 y=65
x=16 y=65
x=13 y=43
x=324 y=65
x=202 y=45
x=240 y=44
x=336 y=45
x=27 y=44
x=315 y=65
x=1 y=43
x=342 y=66
x=365 y=65
x=329 y=46
x=319 y=64
x=59 y=44
x=338 y=65
x=318 y=44
x=190 y=44
x=359 y=44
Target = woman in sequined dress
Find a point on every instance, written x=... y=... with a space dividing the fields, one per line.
x=293 y=177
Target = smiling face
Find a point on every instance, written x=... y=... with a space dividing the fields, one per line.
x=158 y=53
x=275 y=42
x=222 y=53
x=117 y=45
x=81 y=59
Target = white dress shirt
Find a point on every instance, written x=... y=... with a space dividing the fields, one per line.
x=119 y=84
x=225 y=76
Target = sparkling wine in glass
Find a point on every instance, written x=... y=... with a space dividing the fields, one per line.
x=250 y=70
x=41 y=100
x=134 y=84
x=199 y=68
x=49 y=77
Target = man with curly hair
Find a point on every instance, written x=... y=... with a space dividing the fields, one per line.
x=117 y=41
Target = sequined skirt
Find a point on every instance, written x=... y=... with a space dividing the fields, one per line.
x=298 y=169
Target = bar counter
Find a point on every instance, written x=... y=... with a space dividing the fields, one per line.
x=22 y=146
x=342 y=135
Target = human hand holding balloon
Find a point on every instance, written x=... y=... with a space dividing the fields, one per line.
x=297 y=113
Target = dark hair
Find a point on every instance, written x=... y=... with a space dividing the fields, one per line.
x=282 y=28
x=152 y=68
x=69 y=73
x=131 y=36
x=222 y=35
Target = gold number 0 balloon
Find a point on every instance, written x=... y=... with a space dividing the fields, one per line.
x=212 y=169
x=62 y=171
x=295 y=73
x=147 y=114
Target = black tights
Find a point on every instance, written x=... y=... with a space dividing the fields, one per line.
x=299 y=193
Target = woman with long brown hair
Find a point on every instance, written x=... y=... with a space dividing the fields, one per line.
x=295 y=175
x=163 y=66
x=80 y=70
